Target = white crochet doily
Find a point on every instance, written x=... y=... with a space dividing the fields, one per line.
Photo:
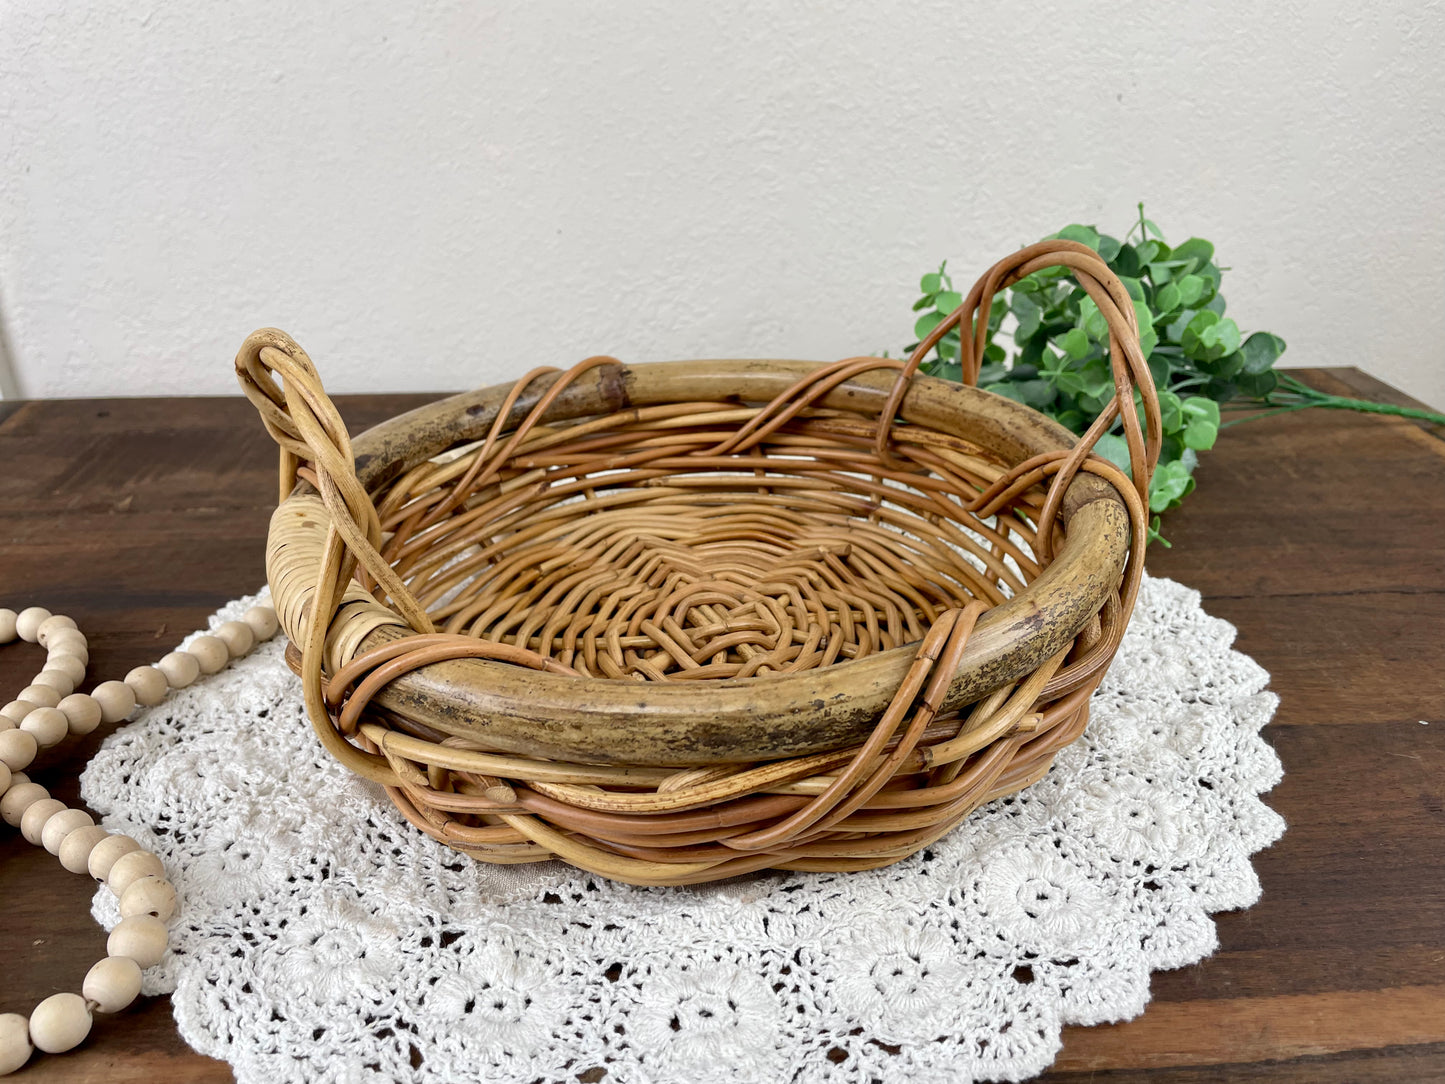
x=322 y=938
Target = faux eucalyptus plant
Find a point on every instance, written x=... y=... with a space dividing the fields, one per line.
x=1050 y=355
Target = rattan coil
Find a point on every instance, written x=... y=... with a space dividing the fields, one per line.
x=677 y=622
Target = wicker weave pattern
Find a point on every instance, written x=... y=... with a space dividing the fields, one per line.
x=689 y=542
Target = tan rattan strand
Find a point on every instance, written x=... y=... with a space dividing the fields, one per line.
x=632 y=618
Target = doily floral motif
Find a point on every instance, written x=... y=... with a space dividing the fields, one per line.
x=321 y=938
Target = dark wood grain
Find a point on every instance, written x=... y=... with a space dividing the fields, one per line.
x=1320 y=535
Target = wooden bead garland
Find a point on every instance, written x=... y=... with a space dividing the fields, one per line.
x=42 y=715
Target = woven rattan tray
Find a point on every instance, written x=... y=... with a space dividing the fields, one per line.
x=679 y=621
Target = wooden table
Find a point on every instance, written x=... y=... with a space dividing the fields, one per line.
x=1320 y=535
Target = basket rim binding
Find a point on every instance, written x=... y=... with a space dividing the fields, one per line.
x=730 y=721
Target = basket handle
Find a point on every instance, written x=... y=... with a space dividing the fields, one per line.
x=1126 y=358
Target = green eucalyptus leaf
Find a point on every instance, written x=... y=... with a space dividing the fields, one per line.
x=924 y=302
x=1191 y=289
x=1261 y=350
x=1171 y=412
x=992 y=372
x=926 y=323
x=1076 y=342
x=1029 y=315
x=1257 y=385
x=1115 y=449
x=1196 y=248
x=1085 y=235
x=1166 y=299
x=1133 y=286
x=1108 y=248
x=931 y=282
x=1148 y=340
x=1127 y=263
x=945 y=301
x=1199 y=434
x=1197 y=406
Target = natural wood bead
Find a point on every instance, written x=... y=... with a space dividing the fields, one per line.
x=61 y=825
x=116 y=700
x=14 y=712
x=148 y=684
x=50 y=626
x=130 y=868
x=180 y=668
x=18 y=749
x=237 y=636
x=154 y=896
x=141 y=937
x=112 y=984
x=42 y=696
x=69 y=665
x=107 y=852
x=28 y=622
x=69 y=642
x=32 y=823
x=82 y=711
x=60 y=1023
x=6 y=777
x=15 y=1045
x=263 y=622
x=19 y=798
x=211 y=652
x=7 y=625
x=49 y=725
x=58 y=680
x=75 y=848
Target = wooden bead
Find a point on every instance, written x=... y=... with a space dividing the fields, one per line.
x=14 y=712
x=112 y=984
x=58 y=680
x=69 y=642
x=6 y=777
x=32 y=823
x=148 y=684
x=130 y=868
x=19 y=798
x=154 y=896
x=61 y=825
x=7 y=625
x=180 y=668
x=18 y=749
x=69 y=665
x=60 y=1023
x=116 y=700
x=107 y=852
x=75 y=848
x=42 y=696
x=211 y=652
x=28 y=622
x=237 y=636
x=142 y=938
x=50 y=626
x=15 y=1045
x=81 y=711
x=262 y=620
x=49 y=725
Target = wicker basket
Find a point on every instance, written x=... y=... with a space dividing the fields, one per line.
x=677 y=622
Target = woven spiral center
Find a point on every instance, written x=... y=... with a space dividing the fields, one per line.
x=800 y=552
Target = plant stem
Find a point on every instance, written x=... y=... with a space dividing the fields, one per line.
x=1310 y=398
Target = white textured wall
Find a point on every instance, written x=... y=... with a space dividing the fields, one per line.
x=440 y=200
